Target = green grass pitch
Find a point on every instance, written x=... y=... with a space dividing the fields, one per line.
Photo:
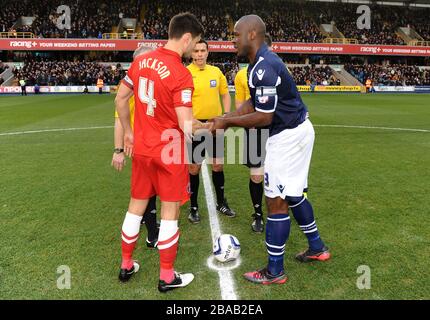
x=61 y=203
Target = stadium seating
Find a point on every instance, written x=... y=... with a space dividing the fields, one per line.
x=68 y=73
x=287 y=20
x=77 y=72
x=88 y=18
x=391 y=75
x=3 y=67
x=307 y=75
x=54 y=72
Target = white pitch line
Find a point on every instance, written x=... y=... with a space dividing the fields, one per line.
x=226 y=281
x=52 y=130
x=366 y=127
x=109 y=127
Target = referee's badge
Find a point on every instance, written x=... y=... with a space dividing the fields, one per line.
x=213 y=83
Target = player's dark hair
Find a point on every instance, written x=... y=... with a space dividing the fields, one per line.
x=183 y=23
x=268 y=39
x=205 y=42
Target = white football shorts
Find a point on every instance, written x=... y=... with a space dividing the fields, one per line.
x=288 y=157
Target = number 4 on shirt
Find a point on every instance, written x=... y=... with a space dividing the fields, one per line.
x=146 y=95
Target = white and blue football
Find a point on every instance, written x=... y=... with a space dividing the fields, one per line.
x=226 y=248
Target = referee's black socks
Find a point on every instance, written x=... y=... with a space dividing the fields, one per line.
x=218 y=181
x=194 y=186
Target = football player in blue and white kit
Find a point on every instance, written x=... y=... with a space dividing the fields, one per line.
x=276 y=102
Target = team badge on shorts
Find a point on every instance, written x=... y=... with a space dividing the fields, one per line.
x=266 y=179
x=213 y=83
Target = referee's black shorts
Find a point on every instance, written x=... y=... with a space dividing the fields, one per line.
x=214 y=144
x=254 y=147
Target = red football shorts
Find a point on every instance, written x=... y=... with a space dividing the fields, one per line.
x=150 y=176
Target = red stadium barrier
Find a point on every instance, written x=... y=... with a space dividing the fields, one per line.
x=215 y=46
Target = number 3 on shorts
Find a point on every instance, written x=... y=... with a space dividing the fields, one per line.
x=146 y=95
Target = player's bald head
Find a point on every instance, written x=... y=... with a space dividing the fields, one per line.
x=249 y=34
x=252 y=23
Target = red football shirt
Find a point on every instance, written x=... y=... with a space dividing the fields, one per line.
x=160 y=83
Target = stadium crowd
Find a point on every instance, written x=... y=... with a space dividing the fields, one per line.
x=89 y=19
x=390 y=75
x=218 y=19
x=307 y=75
x=286 y=20
x=78 y=71
x=3 y=67
x=424 y=31
x=45 y=72
x=383 y=24
x=213 y=15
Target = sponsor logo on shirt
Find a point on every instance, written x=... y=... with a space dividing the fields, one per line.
x=186 y=96
x=260 y=74
x=265 y=91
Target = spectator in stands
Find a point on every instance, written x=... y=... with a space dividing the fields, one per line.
x=285 y=20
x=68 y=72
x=3 y=67
x=306 y=75
x=389 y=75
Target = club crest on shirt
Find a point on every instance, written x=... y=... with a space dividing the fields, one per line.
x=213 y=83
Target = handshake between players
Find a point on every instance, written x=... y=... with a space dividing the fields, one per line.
x=211 y=125
x=197 y=127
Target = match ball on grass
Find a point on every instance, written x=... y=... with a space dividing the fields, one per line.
x=226 y=248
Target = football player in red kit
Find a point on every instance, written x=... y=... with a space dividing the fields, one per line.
x=163 y=90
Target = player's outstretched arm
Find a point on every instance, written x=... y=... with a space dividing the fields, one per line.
x=186 y=121
x=245 y=108
x=198 y=125
x=250 y=120
x=121 y=102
